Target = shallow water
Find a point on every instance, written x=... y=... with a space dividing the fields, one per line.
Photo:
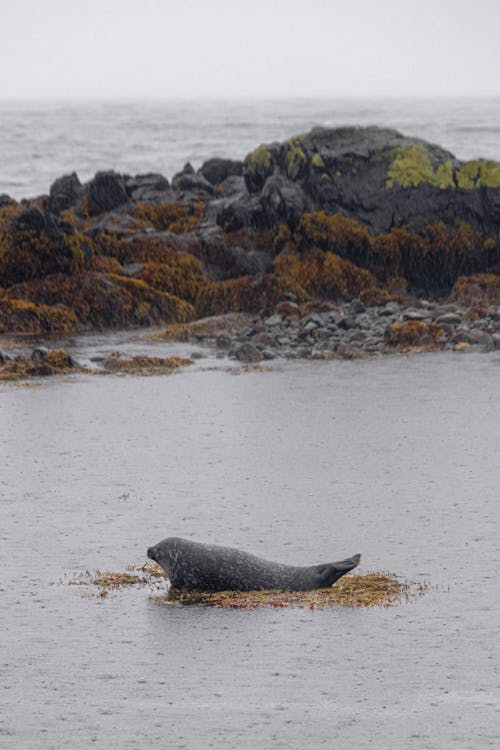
x=396 y=458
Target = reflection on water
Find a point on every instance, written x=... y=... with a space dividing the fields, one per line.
x=396 y=457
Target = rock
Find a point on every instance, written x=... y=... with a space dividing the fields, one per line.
x=218 y=170
x=188 y=180
x=412 y=314
x=233 y=185
x=356 y=307
x=483 y=338
x=452 y=318
x=39 y=354
x=282 y=201
x=378 y=176
x=223 y=342
x=65 y=192
x=288 y=309
x=346 y=323
x=6 y=200
x=273 y=320
x=391 y=308
x=104 y=192
x=251 y=262
x=149 y=188
x=268 y=354
x=247 y=352
x=261 y=340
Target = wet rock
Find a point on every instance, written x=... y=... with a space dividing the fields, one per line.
x=233 y=186
x=189 y=180
x=263 y=339
x=356 y=307
x=149 y=188
x=247 y=352
x=251 y=262
x=483 y=338
x=39 y=354
x=223 y=342
x=273 y=320
x=268 y=354
x=288 y=309
x=346 y=323
x=218 y=170
x=282 y=202
x=6 y=200
x=451 y=318
x=391 y=308
x=104 y=192
x=412 y=314
x=65 y=192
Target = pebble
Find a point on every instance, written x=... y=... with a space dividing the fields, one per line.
x=449 y=317
x=248 y=353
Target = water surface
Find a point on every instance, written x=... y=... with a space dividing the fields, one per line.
x=396 y=458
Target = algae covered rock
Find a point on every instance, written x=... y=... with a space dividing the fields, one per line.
x=376 y=175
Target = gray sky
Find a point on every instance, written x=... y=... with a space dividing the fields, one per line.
x=248 y=48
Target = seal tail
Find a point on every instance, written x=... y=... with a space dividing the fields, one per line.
x=331 y=573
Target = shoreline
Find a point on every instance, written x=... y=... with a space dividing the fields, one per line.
x=323 y=332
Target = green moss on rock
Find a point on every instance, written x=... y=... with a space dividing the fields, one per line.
x=295 y=160
x=260 y=160
x=409 y=167
x=317 y=161
x=479 y=173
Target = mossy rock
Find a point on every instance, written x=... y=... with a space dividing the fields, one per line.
x=296 y=161
x=414 y=334
x=317 y=161
x=323 y=275
x=478 y=289
x=478 y=173
x=411 y=165
x=169 y=217
x=22 y=316
x=258 y=166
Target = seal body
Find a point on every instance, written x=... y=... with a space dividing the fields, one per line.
x=208 y=567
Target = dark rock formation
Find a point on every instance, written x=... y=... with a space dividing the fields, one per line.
x=105 y=192
x=148 y=188
x=377 y=176
x=218 y=170
x=65 y=192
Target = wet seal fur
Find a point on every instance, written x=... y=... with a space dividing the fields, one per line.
x=208 y=567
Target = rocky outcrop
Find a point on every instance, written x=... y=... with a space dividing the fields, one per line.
x=323 y=218
x=375 y=175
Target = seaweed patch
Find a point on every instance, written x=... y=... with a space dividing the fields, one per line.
x=357 y=590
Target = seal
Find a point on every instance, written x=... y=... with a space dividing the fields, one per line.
x=208 y=567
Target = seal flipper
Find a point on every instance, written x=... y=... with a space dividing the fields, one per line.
x=330 y=573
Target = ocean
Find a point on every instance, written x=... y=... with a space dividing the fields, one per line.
x=40 y=141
